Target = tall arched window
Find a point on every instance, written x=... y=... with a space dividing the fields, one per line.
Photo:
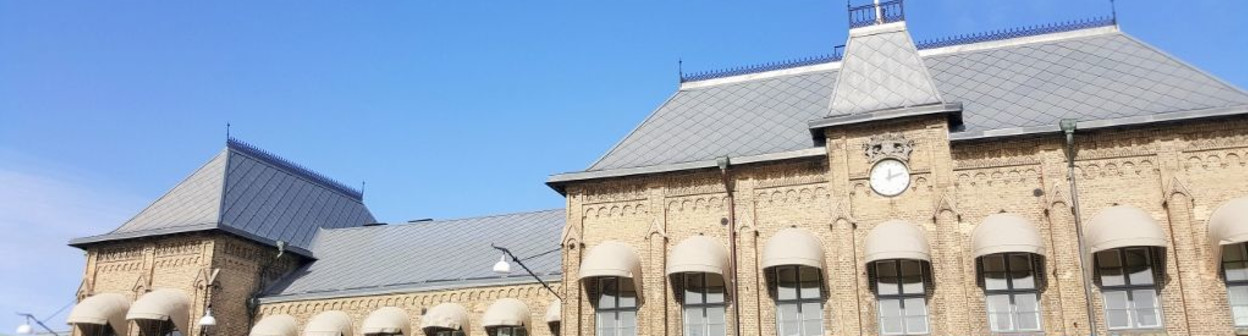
x=1011 y=289
x=157 y=328
x=1235 y=272
x=899 y=289
x=616 y=308
x=1129 y=289
x=799 y=300
x=508 y=331
x=704 y=304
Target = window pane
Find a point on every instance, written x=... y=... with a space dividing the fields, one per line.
x=912 y=285
x=998 y=304
x=1108 y=259
x=786 y=279
x=812 y=328
x=1136 y=256
x=890 y=317
x=911 y=268
x=693 y=288
x=628 y=319
x=790 y=328
x=693 y=316
x=1116 y=300
x=1117 y=319
x=994 y=263
x=1241 y=315
x=788 y=312
x=1238 y=295
x=1029 y=321
x=1144 y=298
x=995 y=281
x=886 y=281
x=916 y=307
x=1236 y=271
x=1023 y=279
x=810 y=290
x=812 y=311
x=1148 y=318
x=627 y=331
x=1026 y=303
x=714 y=288
x=628 y=299
x=608 y=291
x=809 y=274
x=715 y=315
x=1000 y=322
x=916 y=324
x=715 y=330
x=1112 y=277
x=1233 y=252
x=1141 y=275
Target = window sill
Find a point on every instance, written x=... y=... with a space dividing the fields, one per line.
x=1152 y=332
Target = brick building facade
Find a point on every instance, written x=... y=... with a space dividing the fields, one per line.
x=895 y=188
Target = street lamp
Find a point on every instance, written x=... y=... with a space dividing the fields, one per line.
x=27 y=329
x=208 y=320
x=503 y=267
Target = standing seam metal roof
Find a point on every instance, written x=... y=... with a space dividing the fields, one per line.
x=1024 y=84
x=425 y=255
x=249 y=192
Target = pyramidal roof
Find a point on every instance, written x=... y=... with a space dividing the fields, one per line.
x=251 y=193
x=882 y=70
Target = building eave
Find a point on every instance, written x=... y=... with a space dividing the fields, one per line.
x=558 y=181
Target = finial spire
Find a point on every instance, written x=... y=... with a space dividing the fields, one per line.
x=227 y=130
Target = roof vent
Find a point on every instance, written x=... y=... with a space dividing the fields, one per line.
x=375 y=224
x=420 y=220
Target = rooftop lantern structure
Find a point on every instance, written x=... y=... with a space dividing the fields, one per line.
x=875 y=13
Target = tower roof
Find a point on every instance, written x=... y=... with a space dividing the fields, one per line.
x=881 y=70
x=251 y=193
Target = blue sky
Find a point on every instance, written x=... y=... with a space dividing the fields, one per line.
x=447 y=109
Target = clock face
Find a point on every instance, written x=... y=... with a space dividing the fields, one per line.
x=890 y=177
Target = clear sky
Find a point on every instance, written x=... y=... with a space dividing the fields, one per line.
x=446 y=108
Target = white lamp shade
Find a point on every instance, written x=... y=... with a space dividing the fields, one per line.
x=502 y=266
x=25 y=329
x=208 y=320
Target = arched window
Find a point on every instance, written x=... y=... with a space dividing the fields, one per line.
x=1235 y=272
x=1129 y=288
x=704 y=304
x=799 y=300
x=902 y=298
x=616 y=307
x=1012 y=293
x=95 y=329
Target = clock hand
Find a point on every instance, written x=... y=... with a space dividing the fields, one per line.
x=891 y=175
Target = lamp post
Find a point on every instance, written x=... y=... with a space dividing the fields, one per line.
x=503 y=267
x=26 y=329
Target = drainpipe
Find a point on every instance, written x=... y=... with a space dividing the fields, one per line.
x=1068 y=127
x=732 y=242
x=253 y=301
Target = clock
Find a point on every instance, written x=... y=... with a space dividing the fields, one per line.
x=890 y=177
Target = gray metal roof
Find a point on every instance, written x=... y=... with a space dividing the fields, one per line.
x=248 y=192
x=1028 y=82
x=425 y=256
x=881 y=70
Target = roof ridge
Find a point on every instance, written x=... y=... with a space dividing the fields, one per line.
x=933 y=43
x=423 y=223
x=293 y=168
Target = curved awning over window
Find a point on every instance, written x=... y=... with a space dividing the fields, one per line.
x=329 y=323
x=506 y=312
x=165 y=305
x=1122 y=226
x=276 y=325
x=897 y=239
x=611 y=258
x=1006 y=232
x=445 y=316
x=698 y=254
x=793 y=246
x=387 y=320
x=1229 y=224
x=554 y=312
x=102 y=309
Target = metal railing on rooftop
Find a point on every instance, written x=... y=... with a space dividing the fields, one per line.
x=836 y=55
x=869 y=14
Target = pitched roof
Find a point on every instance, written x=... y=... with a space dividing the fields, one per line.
x=246 y=191
x=1096 y=73
x=882 y=70
x=424 y=256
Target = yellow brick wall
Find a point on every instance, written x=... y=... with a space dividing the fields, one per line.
x=1177 y=173
x=476 y=300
